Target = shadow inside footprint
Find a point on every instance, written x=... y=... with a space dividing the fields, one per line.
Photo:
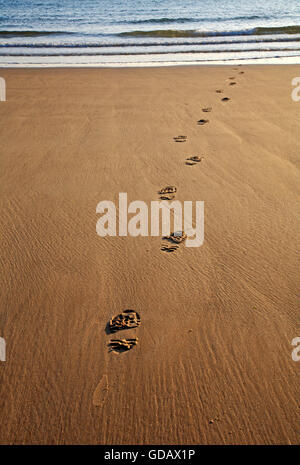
x=232 y=83
x=219 y=91
x=201 y=122
x=225 y=99
x=207 y=110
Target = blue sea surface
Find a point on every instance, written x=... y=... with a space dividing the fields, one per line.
x=131 y=32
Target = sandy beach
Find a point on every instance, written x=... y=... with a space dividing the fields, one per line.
x=213 y=362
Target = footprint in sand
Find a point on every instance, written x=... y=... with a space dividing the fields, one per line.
x=167 y=193
x=180 y=138
x=167 y=197
x=242 y=72
x=201 y=122
x=193 y=160
x=232 y=83
x=175 y=237
x=171 y=248
x=207 y=109
x=128 y=319
x=168 y=190
x=101 y=391
x=219 y=91
x=225 y=99
x=122 y=345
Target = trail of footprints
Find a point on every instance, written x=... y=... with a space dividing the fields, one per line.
x=171 y=243
x=130 y=319
x=194 y=160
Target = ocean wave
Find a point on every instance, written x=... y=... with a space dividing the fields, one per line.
x=204 y=43
x=169 y=33
x=175 y=52
x=157 y=33
x=278 y=30
x=190 y=20
x=29 y=33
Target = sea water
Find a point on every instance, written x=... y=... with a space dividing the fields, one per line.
x=136 y=32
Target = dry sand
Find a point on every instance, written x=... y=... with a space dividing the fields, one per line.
x=213 y=364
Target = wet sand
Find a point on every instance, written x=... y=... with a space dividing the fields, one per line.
x=213 y=361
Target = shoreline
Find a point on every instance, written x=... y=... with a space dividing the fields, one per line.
x=288 y=61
